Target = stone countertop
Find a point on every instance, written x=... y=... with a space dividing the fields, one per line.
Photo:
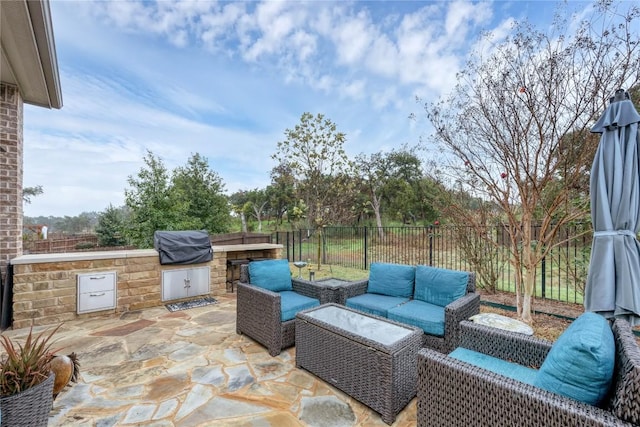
x=133 y=253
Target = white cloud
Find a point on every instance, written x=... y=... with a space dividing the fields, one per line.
x=352 y=38
x=304 y=44
x=462 y=16
x=383 y=58
x=388 y=96
x=324 y=83
x=354 y=89
x=221 y=22
x=226 y=79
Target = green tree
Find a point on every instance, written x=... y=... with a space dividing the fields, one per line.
x=152 y=204
x=237 y=201
x=200 y=190
x=503 y=125
x=374 y=174
x=110 y=227
x=314 y=152
x=29 y=192
x=395 y=183
x=191 y=199
x=256 y=205
x=83 y=223
x=405 y=190
x=282 y=192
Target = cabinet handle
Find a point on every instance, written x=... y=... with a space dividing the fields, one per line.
x=98 y=295
x=97 y=277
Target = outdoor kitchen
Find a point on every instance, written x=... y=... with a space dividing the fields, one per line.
x=53 y=288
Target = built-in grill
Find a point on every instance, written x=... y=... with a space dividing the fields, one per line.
x=183 y=247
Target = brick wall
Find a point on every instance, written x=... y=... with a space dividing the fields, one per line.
x=44 y=286
x=11 y=140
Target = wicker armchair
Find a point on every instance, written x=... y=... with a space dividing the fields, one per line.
x=455 y=393
x=258 y=311
x=459 y=310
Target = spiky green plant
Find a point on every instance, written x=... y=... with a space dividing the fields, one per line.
x=25 y=365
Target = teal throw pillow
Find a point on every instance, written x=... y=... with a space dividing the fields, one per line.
x=580 y=363
x=273 y=274
x=440 y=286
x=395 y=280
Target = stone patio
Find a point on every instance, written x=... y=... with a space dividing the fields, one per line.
x=190 y=368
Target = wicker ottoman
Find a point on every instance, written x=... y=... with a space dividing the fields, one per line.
x=372 y=359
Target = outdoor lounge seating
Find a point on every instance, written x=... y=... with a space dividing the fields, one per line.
x=434 y=299
x=268 y=300
x=389 y=285
x=593 y=372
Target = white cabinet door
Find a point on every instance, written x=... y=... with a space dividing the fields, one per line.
x=185 y=282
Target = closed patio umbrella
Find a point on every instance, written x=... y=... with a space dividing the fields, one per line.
x=613 y=280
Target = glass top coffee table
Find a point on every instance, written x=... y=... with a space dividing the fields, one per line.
x=372 y=359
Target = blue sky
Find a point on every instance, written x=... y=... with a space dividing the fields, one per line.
x=226 y=79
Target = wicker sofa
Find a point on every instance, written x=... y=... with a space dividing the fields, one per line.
x=454 y=312
x=455 y=393
x=259 y=310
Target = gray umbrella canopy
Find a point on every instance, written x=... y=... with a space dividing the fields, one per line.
x=613 y=281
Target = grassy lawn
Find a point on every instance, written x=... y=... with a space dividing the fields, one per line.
x=327 y=271
x=564 y=271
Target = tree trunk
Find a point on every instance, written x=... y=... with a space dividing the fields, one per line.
x=375 y=204
x=243 y=220
x=518 y=274
x=526 y=305
x=529 y=264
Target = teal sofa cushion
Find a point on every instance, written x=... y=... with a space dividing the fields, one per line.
x=273 y=274
x=440 y=286
x=395 y=280
x=428 y=317
x=580 y=363
x=494 y=364
x=374 y=303
x=292 y=302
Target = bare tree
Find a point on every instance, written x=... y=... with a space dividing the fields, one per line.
x=517 y=105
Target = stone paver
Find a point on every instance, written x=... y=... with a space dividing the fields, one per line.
x=189 y=368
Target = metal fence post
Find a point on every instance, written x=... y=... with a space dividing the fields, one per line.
x=431 y=245
x=366 y=248
x=288 y=248
x=544 y=277
x=324 y=245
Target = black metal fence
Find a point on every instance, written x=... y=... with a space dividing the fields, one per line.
x=560 y=276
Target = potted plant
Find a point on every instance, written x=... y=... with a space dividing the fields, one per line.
x=26 y=380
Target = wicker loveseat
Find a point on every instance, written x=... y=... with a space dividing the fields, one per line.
x=434 y=299
x=455 y=393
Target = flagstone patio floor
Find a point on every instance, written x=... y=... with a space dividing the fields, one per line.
x=190 y=368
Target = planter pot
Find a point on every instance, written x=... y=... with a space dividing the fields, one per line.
x=30 y=408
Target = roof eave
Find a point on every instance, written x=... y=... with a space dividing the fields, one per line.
x=29 y=58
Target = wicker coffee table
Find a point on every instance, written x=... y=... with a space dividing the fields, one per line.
x=372 y=359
